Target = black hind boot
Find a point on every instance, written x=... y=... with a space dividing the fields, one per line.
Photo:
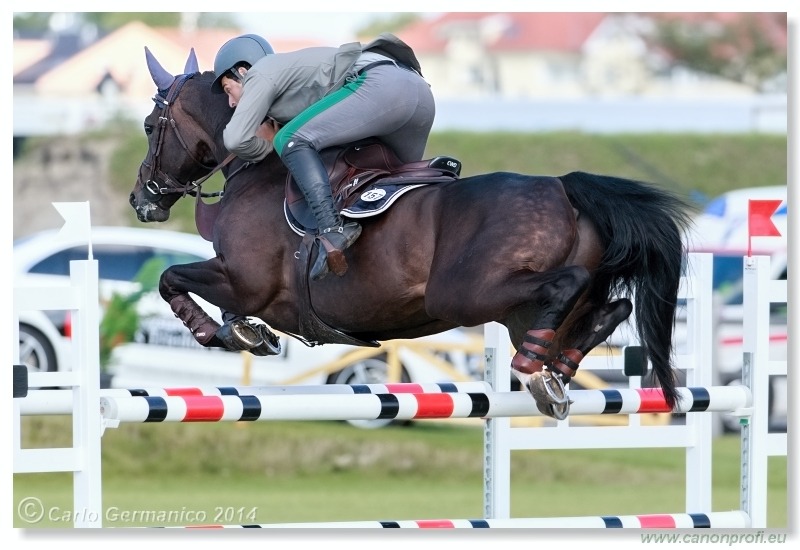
x=333 y=235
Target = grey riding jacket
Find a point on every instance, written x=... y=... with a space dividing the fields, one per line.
x=283 y=85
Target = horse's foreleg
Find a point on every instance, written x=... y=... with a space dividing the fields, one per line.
x=199 y=323
x=235 y=334
x=202 y=278
x=209 y=281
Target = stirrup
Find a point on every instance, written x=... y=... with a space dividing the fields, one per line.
x=331 y=244
x=348 y=232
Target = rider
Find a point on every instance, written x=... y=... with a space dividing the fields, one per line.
x=322 y=97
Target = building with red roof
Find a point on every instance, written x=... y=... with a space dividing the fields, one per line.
x=519 y=55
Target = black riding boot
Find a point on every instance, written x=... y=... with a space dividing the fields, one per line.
x=333 y=235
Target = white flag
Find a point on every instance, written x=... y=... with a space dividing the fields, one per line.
x=77 y=223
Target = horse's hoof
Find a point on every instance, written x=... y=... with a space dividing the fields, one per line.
x=559 y=412
x=239 y=336
x=270 y=343
x=547 y=388
x=550 y=395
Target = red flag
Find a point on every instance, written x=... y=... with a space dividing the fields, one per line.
x=759 y=218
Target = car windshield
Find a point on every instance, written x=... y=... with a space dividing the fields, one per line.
x=734 y=296
x=727 y=280
x=728 y=277
x=115 y=262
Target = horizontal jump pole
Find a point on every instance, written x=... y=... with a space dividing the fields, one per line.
x=59 y=402
x=410 y=406
x=715 y=520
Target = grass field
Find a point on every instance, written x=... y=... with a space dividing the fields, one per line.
x=182 y=474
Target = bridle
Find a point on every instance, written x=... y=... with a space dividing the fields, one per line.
x=159 y=183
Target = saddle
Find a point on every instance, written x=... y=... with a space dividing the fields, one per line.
x=366 y=179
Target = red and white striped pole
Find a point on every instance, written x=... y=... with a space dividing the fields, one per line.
x=408 y=406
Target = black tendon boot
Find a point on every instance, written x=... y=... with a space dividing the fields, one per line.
x=333 y=236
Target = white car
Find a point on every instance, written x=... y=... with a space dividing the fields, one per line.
x=43 y=259
x=41 y=344
x=722 y=230
x=164 y=354
x=722 y=225
x=730 y=334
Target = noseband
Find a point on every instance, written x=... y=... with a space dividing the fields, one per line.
x=169 y=185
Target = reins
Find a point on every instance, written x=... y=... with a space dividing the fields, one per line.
x=192 y=188
x=198 y=183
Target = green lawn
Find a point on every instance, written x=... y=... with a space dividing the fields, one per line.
x=327 y=471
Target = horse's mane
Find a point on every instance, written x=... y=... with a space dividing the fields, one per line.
x=199 y=102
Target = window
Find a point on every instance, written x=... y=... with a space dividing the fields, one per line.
x=115 y=262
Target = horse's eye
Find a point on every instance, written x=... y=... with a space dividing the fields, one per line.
x=148 y=129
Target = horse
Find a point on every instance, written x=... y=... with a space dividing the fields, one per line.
x=559 y=261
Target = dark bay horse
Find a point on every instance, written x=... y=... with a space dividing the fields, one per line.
x=557 y=260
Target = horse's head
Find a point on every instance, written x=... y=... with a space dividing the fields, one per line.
x=180 y=140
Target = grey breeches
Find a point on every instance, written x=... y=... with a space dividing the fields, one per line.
x=391 y=103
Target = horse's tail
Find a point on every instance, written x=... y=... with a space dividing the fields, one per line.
x=641 y=227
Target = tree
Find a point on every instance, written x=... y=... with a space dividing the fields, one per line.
x=121 y=315
x=108 y=21
x=749 y=48
x=36 y=22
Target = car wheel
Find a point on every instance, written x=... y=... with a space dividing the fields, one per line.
x=35 y=350
x=369 y=371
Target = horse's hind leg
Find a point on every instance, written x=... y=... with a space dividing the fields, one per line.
x=555 y=296
x=584 y=334
x=596 y=328
x=533 y=306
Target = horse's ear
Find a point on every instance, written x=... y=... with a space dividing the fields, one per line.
x=160 y=76
x=191 y=64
